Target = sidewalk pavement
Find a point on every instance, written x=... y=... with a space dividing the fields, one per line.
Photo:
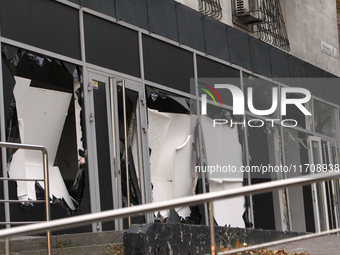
x=324 y=245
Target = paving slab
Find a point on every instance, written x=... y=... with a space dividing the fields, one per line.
x=324 y=245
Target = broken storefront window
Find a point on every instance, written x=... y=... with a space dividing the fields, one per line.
x=171 y=159
x=325 y=118
x=133 y=147
x=300 y=198
x=262 y=94
x=270 y=209
x=43 y=105
x=224 y=147
x=180 y=143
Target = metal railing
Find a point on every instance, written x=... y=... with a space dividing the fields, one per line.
x=87 y=219
x=47 y=190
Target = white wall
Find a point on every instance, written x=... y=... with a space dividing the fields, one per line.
x=308 y=22
x=191 y=3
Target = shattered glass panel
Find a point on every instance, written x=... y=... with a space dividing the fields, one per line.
x=296 y=151
x=46 y=109
x=174 y=147
x=325 y=118
x=165 y=101
x=132 y=136
x=300 y=198
x=224 y=157
x=262 y=94
x=153 y=96
x=265 y=161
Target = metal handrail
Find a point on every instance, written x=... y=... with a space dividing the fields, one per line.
x=47 y=187
x=184 y=201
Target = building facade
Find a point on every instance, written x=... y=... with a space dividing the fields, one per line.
x=112 y=90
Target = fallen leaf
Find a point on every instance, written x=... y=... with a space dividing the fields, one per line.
x=238 y=244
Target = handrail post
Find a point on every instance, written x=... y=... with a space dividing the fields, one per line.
x=7 y=246
x=47 y=187
x=47 y=198
x=212 y=228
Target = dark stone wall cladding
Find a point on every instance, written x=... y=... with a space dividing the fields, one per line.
x=175 y=238
x=188 y=27
x=44 y=24
x=31 y=22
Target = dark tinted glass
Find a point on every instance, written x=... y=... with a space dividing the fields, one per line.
x=45 y=24
x=167 y=64
x=111 y=45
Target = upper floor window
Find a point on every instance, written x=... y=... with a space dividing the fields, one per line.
x=264 y=19
x=211 y=8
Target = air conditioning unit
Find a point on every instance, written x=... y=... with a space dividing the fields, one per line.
x=247 y=11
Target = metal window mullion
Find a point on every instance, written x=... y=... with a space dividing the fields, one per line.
x=285 y=175
x=92 y=153
x=200 y=136
x=331 y=183
x=324 y=186
x=18 y=179
x=40 y=51
x=314 y=187
x=139 y=160
x=90 y=132
x=117 y=144
x=111 y=141
x=336 y=184
x=144 y=137
x=337 y=122
x=3 y=150
x=126 y=150
x=283 y=154
x=108 y=72
x=246 y=145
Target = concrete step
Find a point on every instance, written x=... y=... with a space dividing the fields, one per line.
x=101 y=249
x=65 y=241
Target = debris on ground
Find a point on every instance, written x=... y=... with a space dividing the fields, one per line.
x=259 y=251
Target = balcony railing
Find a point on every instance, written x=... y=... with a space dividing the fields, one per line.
x=265 y=19
x=211 y=8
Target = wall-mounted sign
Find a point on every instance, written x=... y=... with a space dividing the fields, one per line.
x=94 y=84
x=327 y=48
x=336 y=53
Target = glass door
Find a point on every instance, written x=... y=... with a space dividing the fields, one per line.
x=336 y=183
x=118 y=127
x=102 y=148
x=318 y=189
x=333 y=186
x=131 y=124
